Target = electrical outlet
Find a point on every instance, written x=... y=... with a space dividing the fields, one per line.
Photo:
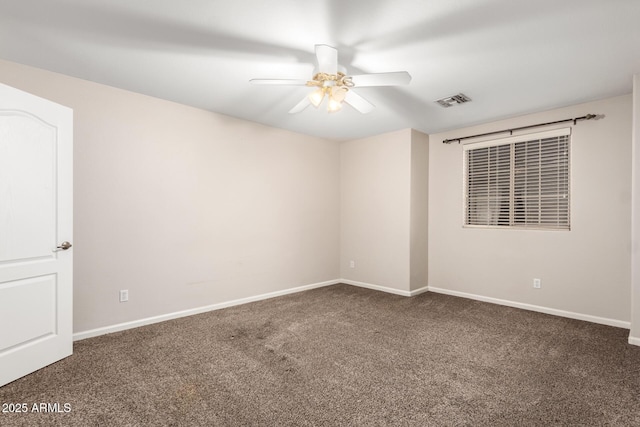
x=537 y=283
x=352 y=264
x=124 y=295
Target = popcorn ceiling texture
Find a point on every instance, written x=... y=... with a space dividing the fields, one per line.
x=342 y=355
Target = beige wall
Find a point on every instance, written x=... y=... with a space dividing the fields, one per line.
x=186 y=208
x=419 y=209
x=384 y=207
x=585 y=270
x=634 y=336
x=375 y=176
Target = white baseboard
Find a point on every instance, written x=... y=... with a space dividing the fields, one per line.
x=540 y=309
x=385 y=288
x=190 y=312
x=418 y=291
x=161 y=318
x=377 y=287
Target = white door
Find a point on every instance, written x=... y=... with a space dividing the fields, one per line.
x=36 y=204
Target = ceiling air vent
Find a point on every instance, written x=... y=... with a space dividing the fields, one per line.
x=450 y=101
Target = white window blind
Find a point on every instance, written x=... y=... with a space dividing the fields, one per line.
x=520 y=181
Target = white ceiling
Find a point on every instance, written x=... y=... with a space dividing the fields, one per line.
x=510 y=56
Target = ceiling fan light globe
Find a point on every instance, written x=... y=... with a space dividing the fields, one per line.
x=334 y=105
x=316 y=97
x=338 y=93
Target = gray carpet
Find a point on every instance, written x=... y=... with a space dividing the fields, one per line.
x=343 y=355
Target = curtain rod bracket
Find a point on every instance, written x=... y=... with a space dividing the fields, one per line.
x=574 y=120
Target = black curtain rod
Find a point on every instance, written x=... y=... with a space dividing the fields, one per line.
x=575 y=120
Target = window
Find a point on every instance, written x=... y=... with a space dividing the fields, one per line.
x=520 y=181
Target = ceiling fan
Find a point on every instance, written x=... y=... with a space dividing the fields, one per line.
x=336 y=86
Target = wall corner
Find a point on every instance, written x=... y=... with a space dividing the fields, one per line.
x=419 y=210
x=634 y=335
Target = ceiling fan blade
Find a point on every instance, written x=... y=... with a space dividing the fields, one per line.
x=286 y=82
x=381 y=79
x=358 y=102
x=300 y=105
x=327 y=59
